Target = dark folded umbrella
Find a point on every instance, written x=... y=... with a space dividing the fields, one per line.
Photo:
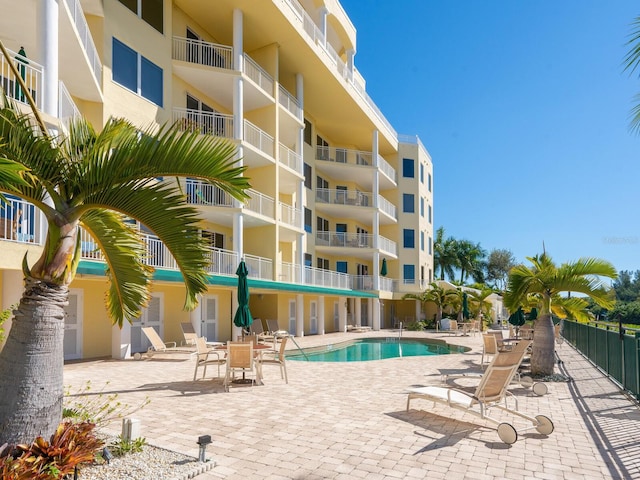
x=383 y=270
x=517 y=318
x=243 y=318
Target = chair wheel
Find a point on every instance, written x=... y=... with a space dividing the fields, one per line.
x=526 y=381
x=540 y=389
x=507 y=433
x=545 y=425
x=137 y=356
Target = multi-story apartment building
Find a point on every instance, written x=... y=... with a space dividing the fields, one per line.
x=336 y=192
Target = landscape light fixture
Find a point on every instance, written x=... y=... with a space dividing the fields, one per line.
x=203 y=441
x=107 y=455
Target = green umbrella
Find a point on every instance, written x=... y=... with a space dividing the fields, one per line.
x=533 y=314
x=465 y=306
x=243 y=317
x=383 y=270
x=517 y=318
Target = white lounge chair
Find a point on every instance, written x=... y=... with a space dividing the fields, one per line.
x=158 y=346
x=490 y=393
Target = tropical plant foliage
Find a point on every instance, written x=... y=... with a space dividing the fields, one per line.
x=97 y=181
x=631 y=62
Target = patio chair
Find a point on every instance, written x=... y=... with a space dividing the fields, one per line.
x=158 y=346
x=262 y=336
x=453 y=328
x=276 y=358
x=274 y=329
x=491 y=393
x=205 y=356
x=240 y=359
x=189 y=334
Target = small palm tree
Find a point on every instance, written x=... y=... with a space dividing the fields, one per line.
x=542 y=283
x=95 y=181
x=480 y=302
x=436 y=295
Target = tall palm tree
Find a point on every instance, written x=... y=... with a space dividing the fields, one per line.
x=542 y=283
x=95 y=181
x=436 y=295
x=631 y=63
x=444 y=254
x=470 y=260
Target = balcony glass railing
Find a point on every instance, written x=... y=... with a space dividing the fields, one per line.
x=30 y=71
x=207 y=123
x=202 y=53
x=85 y=38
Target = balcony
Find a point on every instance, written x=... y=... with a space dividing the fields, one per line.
x=355 y=166
x=290 y=103
x=260 y=204
x=67 y=110
x=355 y=241
x=207 y=123
x=20 y=222
x=261 y=146
x=291 y=174
x=291 y=273
x=31 y=72
x=290 y=216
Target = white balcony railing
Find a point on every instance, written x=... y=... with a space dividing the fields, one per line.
x=387 y=284
x=67 y=109
x=344 y=155
x=259 y=267
x=290 y=158
x=290 y=215
x=207 y=123
x=387 y=245
x=20 y=221
x=84 y=33
x=326 y=278
x=260 y=203
x=202 y=193
x=361 y=282
x=289 y=102
x=289 y=273
x=223 y=262
x=258 y=74
x=344 y=197
x=343 y=239
x=30 y=71
x=387 y=169
x=202 y=53
x=258 y=138
x=387 y=207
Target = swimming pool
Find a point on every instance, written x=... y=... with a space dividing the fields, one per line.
x=374 y=349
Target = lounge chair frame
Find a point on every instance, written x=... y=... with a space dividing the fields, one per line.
x=491 y=393
x=159 y=346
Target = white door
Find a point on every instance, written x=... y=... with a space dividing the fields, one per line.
x=73 y=325
x=313 y=317
x=151 y=316
x=292 y=317
x=209 y=320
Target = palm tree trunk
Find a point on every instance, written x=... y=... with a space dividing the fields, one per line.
x=543 y=353
x=31 y=365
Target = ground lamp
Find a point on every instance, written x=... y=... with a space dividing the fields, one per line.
x=203 y=441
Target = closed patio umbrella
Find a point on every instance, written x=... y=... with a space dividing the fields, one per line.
x=383 y=269
x=243 y=318
x=517 y=318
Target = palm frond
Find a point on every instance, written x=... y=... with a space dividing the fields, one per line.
x=123 y=253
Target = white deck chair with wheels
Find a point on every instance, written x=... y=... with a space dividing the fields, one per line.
x=491 y=393
x=158 y=346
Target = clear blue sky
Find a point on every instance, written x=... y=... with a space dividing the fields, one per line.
x=524 y=109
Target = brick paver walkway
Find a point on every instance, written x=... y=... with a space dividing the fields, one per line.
x=348 y=420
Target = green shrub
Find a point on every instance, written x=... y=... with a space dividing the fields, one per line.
x=122 y=447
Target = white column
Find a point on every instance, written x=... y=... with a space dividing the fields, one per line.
x=418 y=310
x=47 y=33
x=121 y=341
x=376 y=272
x=195 y=317
x=301 y=191
x=375 y=304
x=324 y=11
x=299 y=315
x=342 y=310
x=238 y=123
x=238 y=235
x=350 y=56
x=376 y=191
x=320 y=312
x=357 y=312
x=369 y=304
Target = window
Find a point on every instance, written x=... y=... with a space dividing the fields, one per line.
x=429 y=213
x=409 y=272
x=408 y=203
x=430 y=278
x=408 y=168
x=322 y=148
x=422 y=273
x=136 y=73
x=322 y=189
x=307 y=132
x=148 y=10
x=429 y=182
x=307 y=176
x=430 y=245
x=322 y=224
x=322 y=263
x=307 y=220
x=409 y=238
x=422 y=173
x=422 y=207
x=341 y=267
x=308 y=260
x=422 y=241
x=214 y=240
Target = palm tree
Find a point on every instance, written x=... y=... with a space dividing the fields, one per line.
x=436 y=295
x=631 y=62
x=95 y=181
x=470 y=260
x=444 y=254
x=479 y=301
x=542 y=283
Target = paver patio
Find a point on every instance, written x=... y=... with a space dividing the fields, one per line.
x=348 y=420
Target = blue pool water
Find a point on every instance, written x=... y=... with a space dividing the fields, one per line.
x=373 y=349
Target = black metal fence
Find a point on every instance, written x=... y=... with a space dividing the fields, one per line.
x=618 y=355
